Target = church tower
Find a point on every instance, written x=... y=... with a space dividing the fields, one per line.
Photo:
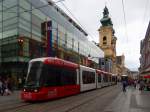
x=107 y=39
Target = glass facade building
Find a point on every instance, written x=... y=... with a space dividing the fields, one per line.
x=37 y=28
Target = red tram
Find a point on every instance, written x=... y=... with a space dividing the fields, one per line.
x=51 y=78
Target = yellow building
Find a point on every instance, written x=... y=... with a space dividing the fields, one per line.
x=107 y=39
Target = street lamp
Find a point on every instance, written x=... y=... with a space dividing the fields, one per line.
x=89 y=56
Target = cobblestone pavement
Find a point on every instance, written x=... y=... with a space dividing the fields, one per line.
x=11 y=101
x=9 y=98
x=131 y=101
x=110 y=99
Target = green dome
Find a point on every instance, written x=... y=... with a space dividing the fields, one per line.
x=106 y=20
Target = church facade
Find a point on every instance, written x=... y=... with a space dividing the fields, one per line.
x=107 y=42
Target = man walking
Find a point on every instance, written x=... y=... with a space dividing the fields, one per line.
x=124 y=84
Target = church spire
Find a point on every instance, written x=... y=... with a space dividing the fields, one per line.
x=106 y=20
x=106 y=12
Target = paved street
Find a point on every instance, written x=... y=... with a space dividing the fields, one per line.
x=110 y=99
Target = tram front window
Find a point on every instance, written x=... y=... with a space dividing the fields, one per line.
x=34 y=72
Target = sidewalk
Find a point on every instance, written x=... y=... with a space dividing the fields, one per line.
x=131 y=101
x=14 y=97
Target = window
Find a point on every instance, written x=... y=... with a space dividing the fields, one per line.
x=25 y=4
x=99 y=77
x=50 y=76
x=105 y=78
x=88 y=77
x=104 y=40
x=34 y=73
x=68 y=77
x=9 y=50
x=55 y=76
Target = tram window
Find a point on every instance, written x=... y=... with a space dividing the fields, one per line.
x=68 y=77
x=55 y=76
x=110 y=78
x=88 y=77
x=99 y=78
x=105 y=78
x=50 y=76
x=34 y=74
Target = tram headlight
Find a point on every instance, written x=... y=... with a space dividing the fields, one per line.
x=24 y=90
x=35 y=90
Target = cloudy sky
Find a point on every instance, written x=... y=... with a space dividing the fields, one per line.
x=137 y=12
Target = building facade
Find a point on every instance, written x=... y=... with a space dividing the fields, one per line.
x=38 y=28
x=107 y=39
x=105 y=64
x=120 y=62
x=145 y=54
x=135 y=74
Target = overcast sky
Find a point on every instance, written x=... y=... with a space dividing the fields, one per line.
x=89 y=13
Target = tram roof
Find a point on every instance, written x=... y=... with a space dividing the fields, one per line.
x=55 y=61
x=87 y=68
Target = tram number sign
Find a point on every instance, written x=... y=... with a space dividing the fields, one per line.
x=52 y=93
x=28 y=96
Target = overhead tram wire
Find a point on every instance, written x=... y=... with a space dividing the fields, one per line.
x=124 y=15
x=76 y=20
x=145 y=12
x=109 y=6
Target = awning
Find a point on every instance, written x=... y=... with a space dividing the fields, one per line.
x=147 y=76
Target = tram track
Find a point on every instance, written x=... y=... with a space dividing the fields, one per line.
x=77 y=105
x=55 y=107
x=15 y=107
x=87 y=101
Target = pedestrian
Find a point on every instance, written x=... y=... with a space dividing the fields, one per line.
x=20 y=83
x=124 y=84
x=6 y=87
x=1 y=86
x=135 y=83
x=10 y=83
x=142 y=85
